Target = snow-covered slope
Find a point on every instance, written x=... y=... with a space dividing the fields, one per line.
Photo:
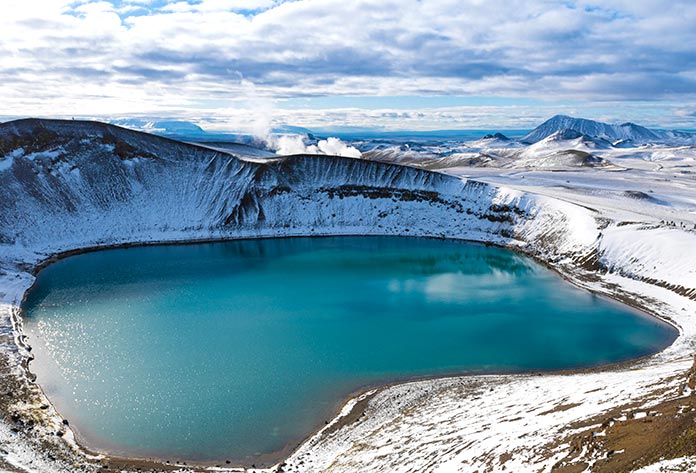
x=492 y=141
x=240 y=150
x=564 y=148
x=73 y=185
x=624 y=131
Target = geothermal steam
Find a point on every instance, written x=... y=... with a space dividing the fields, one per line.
x=295 y=144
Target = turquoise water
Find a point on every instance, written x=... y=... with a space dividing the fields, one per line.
x=232 y=350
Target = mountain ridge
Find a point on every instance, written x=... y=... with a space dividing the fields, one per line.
x=595 y=129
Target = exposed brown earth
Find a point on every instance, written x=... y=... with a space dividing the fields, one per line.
x=664 y=431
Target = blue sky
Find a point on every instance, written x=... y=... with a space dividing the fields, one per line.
x=390 y=64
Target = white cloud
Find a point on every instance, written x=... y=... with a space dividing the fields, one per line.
x=87 y=57
x=208 y=6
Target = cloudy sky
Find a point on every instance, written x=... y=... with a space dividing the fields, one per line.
x=393 y=64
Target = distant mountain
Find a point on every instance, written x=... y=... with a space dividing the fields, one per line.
x=161 y=127
x=490 y=142
x=348 y=133
x=623 y=132
x=186 y=131
x=564 y=147
x=564 y=134
x=574 y=139
x=624 y=144
x=679 y=137
x=496 y=136
x=291 y=129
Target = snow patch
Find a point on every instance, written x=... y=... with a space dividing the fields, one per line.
x=44 y=155
x=683 y=464
x=6 y=162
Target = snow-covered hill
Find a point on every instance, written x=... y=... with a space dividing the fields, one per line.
x=69 y=184
x=625 y=131
x=565 y=148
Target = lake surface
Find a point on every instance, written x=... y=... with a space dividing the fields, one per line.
x=230 y=350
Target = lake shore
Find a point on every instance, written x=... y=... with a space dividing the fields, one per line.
x=347 y=412
x=519 y=274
